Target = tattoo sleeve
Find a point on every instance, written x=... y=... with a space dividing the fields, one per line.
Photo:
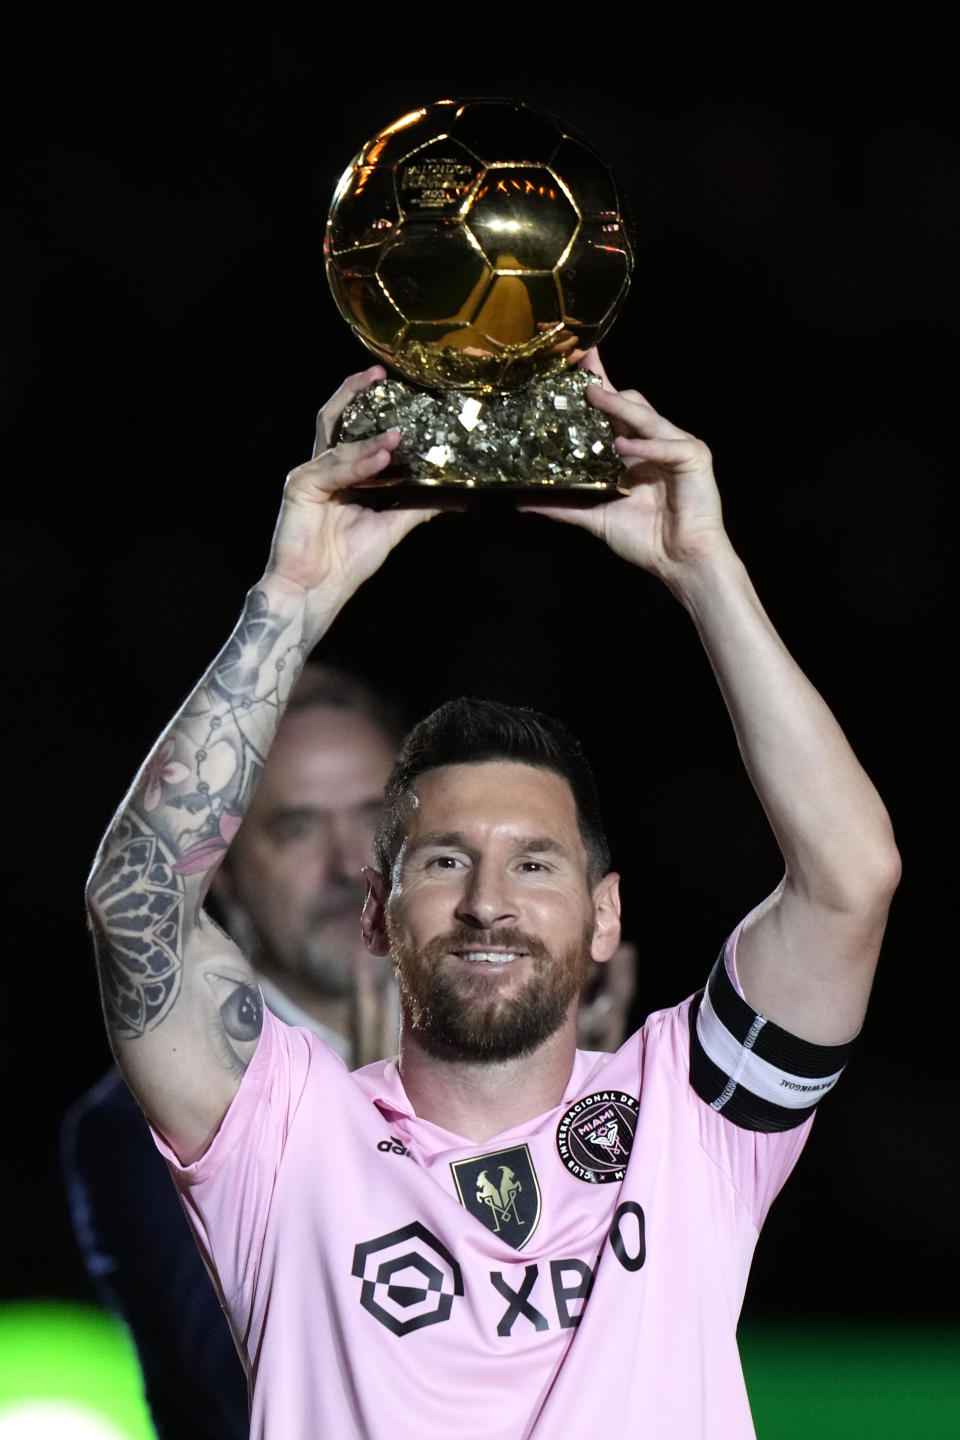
x=173 y=829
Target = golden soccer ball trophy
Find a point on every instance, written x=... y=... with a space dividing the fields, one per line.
x=479 y=248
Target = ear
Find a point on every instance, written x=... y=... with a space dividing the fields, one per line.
x=373 y=922
x=606 y=922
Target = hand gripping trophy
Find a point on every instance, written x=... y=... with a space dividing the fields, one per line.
x=478 y=248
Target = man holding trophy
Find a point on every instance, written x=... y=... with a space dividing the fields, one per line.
x=497 y=1235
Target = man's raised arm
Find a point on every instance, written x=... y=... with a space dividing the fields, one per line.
x=807 y=955
x=181 y=1002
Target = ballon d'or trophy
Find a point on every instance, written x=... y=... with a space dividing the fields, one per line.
x=478 y=248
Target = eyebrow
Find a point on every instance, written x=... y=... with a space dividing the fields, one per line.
x=541 y=844
x=456 y=840
x=308 y=812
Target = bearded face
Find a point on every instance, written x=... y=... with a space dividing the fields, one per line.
x=489 y=914
x=463 y=1003
x=291 y=888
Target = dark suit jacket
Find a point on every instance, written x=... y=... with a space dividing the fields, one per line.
x=140 y=1254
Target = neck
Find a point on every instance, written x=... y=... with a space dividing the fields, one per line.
x=481 y=1098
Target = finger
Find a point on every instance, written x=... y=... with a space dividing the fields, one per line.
x=637 y=414
x=592 y=362
x=329 y=413
x=680 y=453
x=585 y=517
x=401 y=521
x=341 y=467
x=631 y=397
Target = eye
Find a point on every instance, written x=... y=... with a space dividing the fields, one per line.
x=533 y=867
x=288 y=828
x=443 y=862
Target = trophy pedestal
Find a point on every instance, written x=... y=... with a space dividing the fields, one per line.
x=544 y=440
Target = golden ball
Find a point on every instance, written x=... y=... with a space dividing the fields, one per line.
x=474 y=244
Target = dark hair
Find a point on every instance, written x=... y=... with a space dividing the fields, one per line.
x=468 y=732
x=339 y=690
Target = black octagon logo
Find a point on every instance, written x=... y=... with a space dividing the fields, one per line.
x=407 y=1285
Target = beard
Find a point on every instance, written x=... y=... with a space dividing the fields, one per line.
x=316 y=948
x=463 y=1016
x=324 y=954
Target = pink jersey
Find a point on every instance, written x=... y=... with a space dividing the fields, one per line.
x=579 y=1275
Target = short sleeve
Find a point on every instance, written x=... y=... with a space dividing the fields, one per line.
x=228 y=1191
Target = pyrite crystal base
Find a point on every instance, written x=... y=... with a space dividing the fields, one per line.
x=545 y=436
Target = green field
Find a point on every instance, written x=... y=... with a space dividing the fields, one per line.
x=841 y=1382
x=69 y=1371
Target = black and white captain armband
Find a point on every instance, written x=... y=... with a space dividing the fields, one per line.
x=754 y=1073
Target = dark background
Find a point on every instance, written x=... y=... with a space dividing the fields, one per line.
x=167 y=337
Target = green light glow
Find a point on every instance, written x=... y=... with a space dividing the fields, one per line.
x=68 y=1371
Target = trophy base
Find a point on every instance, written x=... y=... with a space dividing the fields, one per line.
x=394 y=488
x=542 y=441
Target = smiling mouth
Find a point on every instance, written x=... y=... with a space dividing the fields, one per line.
x=490 y=957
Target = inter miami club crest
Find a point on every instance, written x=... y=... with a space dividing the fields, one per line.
x=501 y=1190
x=595 y=1135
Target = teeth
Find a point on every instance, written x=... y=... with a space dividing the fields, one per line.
x=490 y=957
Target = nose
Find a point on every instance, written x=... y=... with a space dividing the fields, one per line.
x=487 y=899
x=349 y=846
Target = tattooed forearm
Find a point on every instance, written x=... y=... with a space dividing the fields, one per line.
x=181 y=815
x=196 y=785
x=137 y=899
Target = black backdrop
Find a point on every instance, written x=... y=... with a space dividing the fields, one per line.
x=167 y=337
